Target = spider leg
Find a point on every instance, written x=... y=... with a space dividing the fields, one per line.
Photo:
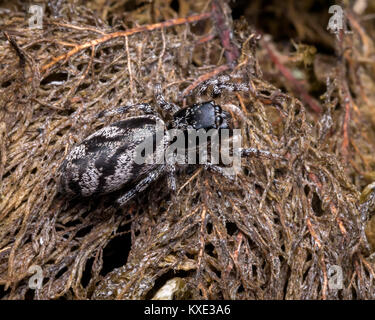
x=145 y=107
x=222 y=83
x=247 y=152
x=253 y=152
x=162 y=103
x=219 y=170
x=171 y=178
x=141 y=185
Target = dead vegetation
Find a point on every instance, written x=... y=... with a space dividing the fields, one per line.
x=273 y=234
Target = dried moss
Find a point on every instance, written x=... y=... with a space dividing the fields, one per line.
x=273 y=234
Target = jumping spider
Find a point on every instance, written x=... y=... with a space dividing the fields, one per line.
x=104 y=162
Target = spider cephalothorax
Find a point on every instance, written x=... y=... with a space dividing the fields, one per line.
x=206 y=115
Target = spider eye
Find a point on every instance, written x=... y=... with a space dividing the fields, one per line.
x=218 y=121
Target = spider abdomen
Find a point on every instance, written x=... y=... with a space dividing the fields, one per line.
x=106 y=160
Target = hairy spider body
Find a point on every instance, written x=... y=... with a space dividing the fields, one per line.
x=105 y=161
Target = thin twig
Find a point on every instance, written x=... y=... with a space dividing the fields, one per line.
x=224 y=32
x=110 y=36
x=71 y=26
x=313 y=233
x=289 y=76
x=18 y=50
x=325 y=279
x=129 y=66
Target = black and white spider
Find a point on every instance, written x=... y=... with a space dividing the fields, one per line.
x=104 y=162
